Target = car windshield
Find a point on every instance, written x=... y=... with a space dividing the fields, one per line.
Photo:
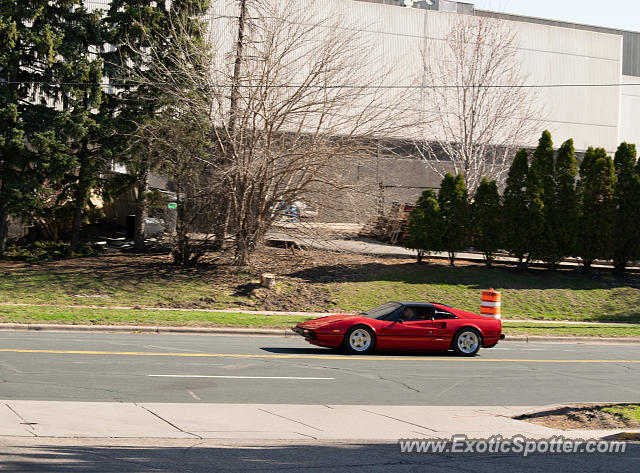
x=382 y=311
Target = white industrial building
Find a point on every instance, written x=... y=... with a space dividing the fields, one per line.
x=590 y=60
x=588 y=77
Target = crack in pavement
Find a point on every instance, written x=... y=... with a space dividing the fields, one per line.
x=400 y=383
x=352 y=371
x=399 y=420
x=165 y=420
x=306 y=435
x=344 y=369
x=292 y=420
x=25 y=422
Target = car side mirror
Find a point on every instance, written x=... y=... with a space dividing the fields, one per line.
x=400 y=321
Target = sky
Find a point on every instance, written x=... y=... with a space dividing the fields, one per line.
x=621 y=14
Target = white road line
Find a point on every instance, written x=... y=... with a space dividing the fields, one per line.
x=231 y=377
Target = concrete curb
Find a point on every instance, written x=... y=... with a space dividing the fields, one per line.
x=550 y=339
x=147 y=329
x=270 y=332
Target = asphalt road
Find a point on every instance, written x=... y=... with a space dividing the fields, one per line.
x=241 y=369
x=75 y=455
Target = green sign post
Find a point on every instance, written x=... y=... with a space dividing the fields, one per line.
x=172 y=205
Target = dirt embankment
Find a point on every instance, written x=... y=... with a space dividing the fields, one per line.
x=586 y=416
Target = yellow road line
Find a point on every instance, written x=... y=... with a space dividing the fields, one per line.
x=315 y=357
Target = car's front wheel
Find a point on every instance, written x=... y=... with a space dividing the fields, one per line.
x=467 y=341
x=359 y=340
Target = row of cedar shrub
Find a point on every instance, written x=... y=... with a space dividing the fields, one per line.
x=549 y=210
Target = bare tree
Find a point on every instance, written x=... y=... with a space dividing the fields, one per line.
x=478 y=107
x=301 y=110
x=287 y=103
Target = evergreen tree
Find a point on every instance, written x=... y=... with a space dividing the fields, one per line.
x=541 y=187
x=597 y=206
x=129 y=27
x=516 y=216
x=425 y=225
x=486 y=219
x=563 y=216
x=536 y=238
x=627 y=202
x=31 y=38
x=453 y=201
x=79 y=97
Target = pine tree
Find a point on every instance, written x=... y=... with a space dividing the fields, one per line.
x=453 y=201
x=563 y=216
x=79 y=97
x=542 y=198
x=425 y=225
x=627 y=202
x=516 y=218
x=486 y=220
x=31 y=38
x=129 y=27
x=597 y=206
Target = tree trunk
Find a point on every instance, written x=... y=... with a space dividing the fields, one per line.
x=81 y=199
x=488 y=259
x=235 y=83
x=242 y=254
x=420 y=256
x=141 y=207
x=243 y=247
x=4 y=230
x=221 y=225
x=619 y=267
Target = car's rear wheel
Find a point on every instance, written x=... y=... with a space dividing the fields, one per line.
x=359 y=340
x=467 y=341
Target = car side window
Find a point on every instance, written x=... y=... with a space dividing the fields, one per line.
x=441 y=314
x=395 y=315
x=411 y=313
x=424 y=313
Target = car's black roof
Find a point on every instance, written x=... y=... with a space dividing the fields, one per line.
x=420 y=304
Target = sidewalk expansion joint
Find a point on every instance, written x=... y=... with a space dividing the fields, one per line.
x=400 y=420
x=289 y=419
x=166 y=421
x=25 y=422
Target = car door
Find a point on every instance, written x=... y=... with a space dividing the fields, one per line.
x=412 y=333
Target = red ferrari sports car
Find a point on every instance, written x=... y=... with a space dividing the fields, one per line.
x=404 y=326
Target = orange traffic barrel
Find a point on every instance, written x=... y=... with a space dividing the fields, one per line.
x=491 y=303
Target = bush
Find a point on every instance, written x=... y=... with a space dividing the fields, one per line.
x=49 y=251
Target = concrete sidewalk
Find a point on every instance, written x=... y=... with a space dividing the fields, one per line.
x=267 y=421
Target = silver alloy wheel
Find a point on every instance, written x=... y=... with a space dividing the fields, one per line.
x=468 y=342
x=360 y=340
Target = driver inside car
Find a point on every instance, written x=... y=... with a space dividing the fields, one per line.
x=408 y=314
